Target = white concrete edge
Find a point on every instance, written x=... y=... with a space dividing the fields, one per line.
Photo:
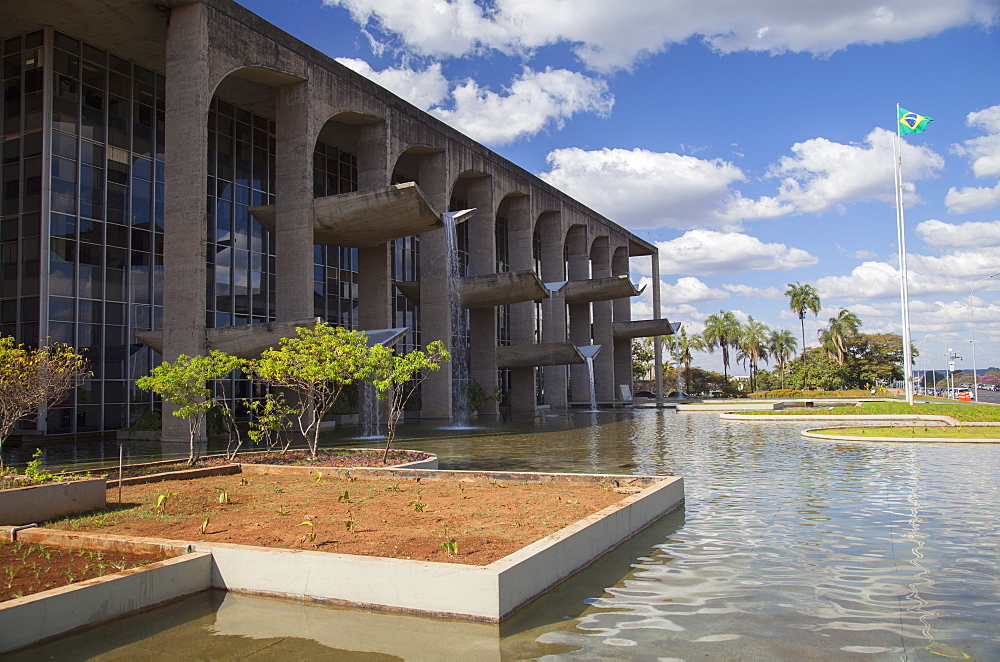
x=813 y=434
x=535 y=569
x=730 y=416
x=40 y=503
x=34 y=618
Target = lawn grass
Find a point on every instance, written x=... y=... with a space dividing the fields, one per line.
x=964 y=413
x=902 y=432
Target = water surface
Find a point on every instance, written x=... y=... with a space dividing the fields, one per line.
x=787 y=549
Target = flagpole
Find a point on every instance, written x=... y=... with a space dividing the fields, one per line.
x=901 y=241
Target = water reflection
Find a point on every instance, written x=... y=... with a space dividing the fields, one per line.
x=786 y=549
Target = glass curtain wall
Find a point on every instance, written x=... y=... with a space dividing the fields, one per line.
x=85 y=183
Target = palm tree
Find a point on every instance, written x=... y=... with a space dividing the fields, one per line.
x=781 y=345
x=800 y=299
x=680 y=346
x=841 y=327
x=753 y=344
x=723 y=331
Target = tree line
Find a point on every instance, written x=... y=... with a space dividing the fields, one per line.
x=846 y=358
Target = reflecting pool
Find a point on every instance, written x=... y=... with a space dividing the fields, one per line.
x=787 y=549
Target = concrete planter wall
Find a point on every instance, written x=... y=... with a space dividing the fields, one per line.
x=34 y=618
x=484 y=593
x=39 y=503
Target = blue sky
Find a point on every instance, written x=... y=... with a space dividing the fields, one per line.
x=751 y=139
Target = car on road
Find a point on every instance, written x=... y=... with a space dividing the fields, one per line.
x=643 y=394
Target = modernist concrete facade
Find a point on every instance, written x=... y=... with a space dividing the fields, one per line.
x=184 y=166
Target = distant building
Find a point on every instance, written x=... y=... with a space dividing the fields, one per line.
x=178 y=170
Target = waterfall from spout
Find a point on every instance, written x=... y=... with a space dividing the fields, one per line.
x=589 y=352
x=371 y=412
x=459 y=330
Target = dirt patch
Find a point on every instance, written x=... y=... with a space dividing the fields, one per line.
x=26 y=569
x=325 y=457
x=433 y=520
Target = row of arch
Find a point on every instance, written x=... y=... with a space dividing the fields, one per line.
x=315 y=101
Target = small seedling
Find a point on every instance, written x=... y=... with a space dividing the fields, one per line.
x=204 y=526
x=161 y=500
x=450 y=546
x=281 y=512
x=223 y=495
x=244 y=481
x=277 y=490
x=461 y=490
x=345 y=497
x=417 y=505
x=351 y=524
x=311 y=536
x=496 y=483
x=319 y=478
x=393 y=488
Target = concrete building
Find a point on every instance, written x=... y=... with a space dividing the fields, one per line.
x=173 y=169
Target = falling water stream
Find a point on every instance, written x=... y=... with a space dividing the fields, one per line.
x=459 y=328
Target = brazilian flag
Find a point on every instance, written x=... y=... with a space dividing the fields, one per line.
x=912 y=123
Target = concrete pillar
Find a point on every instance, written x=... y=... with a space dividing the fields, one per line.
x=295 y=141
x=604 y=363
x=483 y=322
x=553 y=308
x=578 y=268
x=522 y=315
x=622 y=312
x=435 y=314
x=657 y=341
x=189 y=94
x=374 y=264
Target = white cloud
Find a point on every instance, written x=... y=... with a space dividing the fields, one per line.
x=534 y=101
x=928 y=276
x=964 y=235
x=972 y=198
x=689 y=289
x=614 y=35
x=754 y=292
x=643 y=189
x=706 y=252
x=423 y=89
x=984 y=150
x=821 y=175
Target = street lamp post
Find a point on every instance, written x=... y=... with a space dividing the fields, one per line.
x=972 y=320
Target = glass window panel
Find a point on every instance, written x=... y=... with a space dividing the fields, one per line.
x=63 y=144
x=11 y=189
x=94 y=54
x=65 y=64
x=142 y=198
x=63 y=185
x=90 y=312
x=61 y=309
x=93 y=154
x=142 y=168
x=92 y=117
x=91 y=192
x=31 y=200
x=12 y=150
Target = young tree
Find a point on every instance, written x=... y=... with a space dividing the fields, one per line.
x=32 y=380
x=316 y=366
x=722 y=331
x=397 y=376
x=185 y=383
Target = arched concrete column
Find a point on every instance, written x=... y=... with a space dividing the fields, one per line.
x=375 y=263
x=553 y=261
x=578 y=268
x=295 y=141
x=522 y=315
x=622 y=312
x=604 y=363
x=482 y=260
x=187 y=102
x=435 y=314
